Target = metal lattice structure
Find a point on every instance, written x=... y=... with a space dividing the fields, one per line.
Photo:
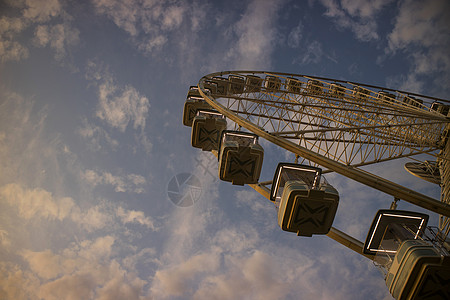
x=339 y=125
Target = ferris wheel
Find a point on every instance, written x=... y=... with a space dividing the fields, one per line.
x=337 y=126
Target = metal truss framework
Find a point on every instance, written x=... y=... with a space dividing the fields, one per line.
x=339 y=125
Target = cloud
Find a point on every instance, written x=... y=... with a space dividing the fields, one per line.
x=59 y=37
x=36 y=202
x=148 y=22
x=82 y=271
x=97 y=137
x=420 y=22
x=123 y=13
x=128 y=183
x=256 y=34
x=357 y=16
x=15 y=283
x=120 y=106
x=41 y=10
x=295 y=36
x=11 y=50
x=134 y=216
x=176 y=281
x=422 y=34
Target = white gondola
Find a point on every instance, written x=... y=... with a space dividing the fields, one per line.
x=293 y=85
x=207 y=128
x=236 y=85
x=440 y=108
x=360 y=93
x=414 y=268
x=272 y=83
x=314 y=87
x=240 y=157
x=306 y=205
x=386 y=97
x=253 y=83
x=419 y=271
x=211 y=86
x=193 y=92
x=222 y=85
x=191 y=106
x=410 y=100
x=337 y=90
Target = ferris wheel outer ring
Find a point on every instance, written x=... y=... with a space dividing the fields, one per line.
x=379 y=183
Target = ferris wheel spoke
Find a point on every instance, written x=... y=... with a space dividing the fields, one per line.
x=340 y=125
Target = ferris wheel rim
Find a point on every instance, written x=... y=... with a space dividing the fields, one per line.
x=356 y=174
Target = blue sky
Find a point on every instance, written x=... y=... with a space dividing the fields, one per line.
x=91 y=99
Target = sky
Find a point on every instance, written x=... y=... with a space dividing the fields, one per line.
x=93 y=150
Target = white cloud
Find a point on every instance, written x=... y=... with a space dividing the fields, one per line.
x=5 y=242
x=313 y=54
x=36 y=202
x=119 y=107
x=295 y=36
x=59 y=37
x=10 y=49
x=256 y=35
x=422 y=33
x=257 y=275
x=123 y=13
x=15 y=283
x=134 y=216
x=153 y=43
x=93 y=218
x=151 y=21
x=425 y=23
x=177 y=280
x=364 y=8
x=41 y=10
x=357 y=16
x=82 y=271
x=172 y=17
x=128 y=183
x=97 y=137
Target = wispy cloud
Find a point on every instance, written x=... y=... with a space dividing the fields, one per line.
x=295 y=36
x=97 y=136
x=41 y=10
x=119 y=107
x=135 y=217
x=127 y=183
x=40 y=15
x=36 y=202
x=357 y=16
x=256 y=34
x=59 y=37
x=83 y=270
x=9 y=48
x=425 y=42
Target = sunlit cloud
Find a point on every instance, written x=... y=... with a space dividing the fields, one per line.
x=59 y=37
x=357 y=16
x=35 y=14
x=256 y=35
x=127 y=183
x=41 y=10
x=120 y=106
x=426 y=43
x=36 y=202
x=133 y=216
